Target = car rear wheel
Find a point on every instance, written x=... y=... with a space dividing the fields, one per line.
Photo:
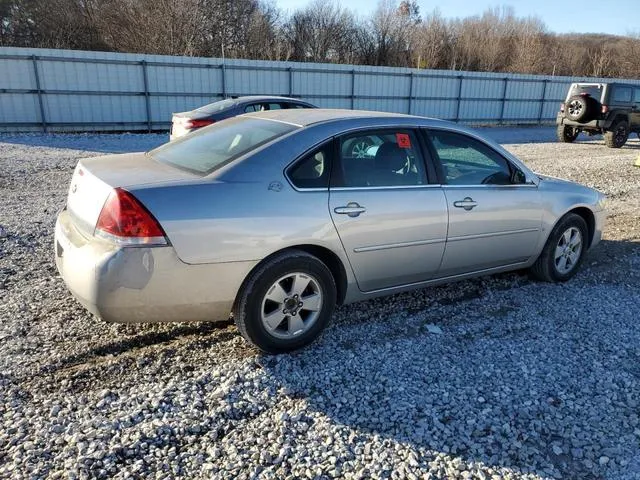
x=618 y=135
x=567 y=134
x=564 y=251
x=286 y=302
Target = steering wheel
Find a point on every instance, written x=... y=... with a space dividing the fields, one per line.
x=491 y=179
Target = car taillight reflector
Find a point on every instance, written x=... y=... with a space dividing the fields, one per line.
x=191 y=123
x=605 y=108
x=124 y=220
x=562 y=107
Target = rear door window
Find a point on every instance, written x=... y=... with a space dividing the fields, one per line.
x=211 y=147
x=255 y=107
x=636 y=97
x=380 y=158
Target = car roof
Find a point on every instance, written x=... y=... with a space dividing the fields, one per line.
x=262 y=98
x=306 y=117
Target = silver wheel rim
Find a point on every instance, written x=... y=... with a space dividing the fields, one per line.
x=575 y=108
x=292 y=305
x=568 y=250
x=359 y=150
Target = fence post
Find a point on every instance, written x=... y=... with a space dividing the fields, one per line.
x=146 y=94
x=410 y=91
x=34 y=59
x=459 y=97
x=290 y=81
x=542 y=100
x=353 y=87
x=224 y=86
x=504 y=98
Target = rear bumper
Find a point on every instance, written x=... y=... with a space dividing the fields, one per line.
x=592 y=125
x=143 y=284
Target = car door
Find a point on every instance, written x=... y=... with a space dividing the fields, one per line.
x=635 y=111
x=391 y=221
x=494 y=217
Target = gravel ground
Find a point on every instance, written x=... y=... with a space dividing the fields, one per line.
x=498 y=377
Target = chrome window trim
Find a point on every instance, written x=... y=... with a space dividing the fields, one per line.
x=515 y=185
x=389 y=187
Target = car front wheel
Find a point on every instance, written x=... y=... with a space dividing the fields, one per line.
x=564 y=251
x=286 y=303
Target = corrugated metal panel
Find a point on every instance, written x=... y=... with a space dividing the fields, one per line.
x=79 y=90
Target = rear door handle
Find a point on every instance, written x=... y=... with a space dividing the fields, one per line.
x=352 y=209
x=467 y=203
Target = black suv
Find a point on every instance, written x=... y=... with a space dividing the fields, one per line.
x=612 y=109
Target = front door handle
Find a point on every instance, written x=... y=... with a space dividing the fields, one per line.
x=467 y=203
x=352 y=209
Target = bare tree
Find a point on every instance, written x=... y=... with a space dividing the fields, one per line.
x=432 y=42
x=322 y=32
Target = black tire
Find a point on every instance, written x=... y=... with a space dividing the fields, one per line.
x=580 y=108
x=618 y=135
x=247 y=311
x=566 y=134
x=545 y=268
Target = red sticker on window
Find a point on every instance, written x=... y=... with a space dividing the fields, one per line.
x=403 y=140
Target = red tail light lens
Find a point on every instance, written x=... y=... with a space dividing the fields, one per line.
x=125 y=220
x=191 y=123
x=605 y=108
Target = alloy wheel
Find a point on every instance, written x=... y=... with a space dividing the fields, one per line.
x=291 y=305
x=568 y=250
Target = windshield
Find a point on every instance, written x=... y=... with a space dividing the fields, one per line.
x=207 y=149
x=593 y=90
x=216 y=107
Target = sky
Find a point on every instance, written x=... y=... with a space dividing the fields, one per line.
x=560 y=16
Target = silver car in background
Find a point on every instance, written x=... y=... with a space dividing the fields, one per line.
x=187 y=122
x=276 y=217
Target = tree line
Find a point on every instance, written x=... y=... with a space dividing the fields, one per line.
x=394 y=34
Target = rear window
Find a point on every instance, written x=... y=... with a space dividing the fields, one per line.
x=216 y=107
x=207 y=149
x=595 y=91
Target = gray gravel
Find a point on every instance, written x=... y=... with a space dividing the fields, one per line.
x=498 y=377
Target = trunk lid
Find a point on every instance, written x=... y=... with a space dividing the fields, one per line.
x=95 y=178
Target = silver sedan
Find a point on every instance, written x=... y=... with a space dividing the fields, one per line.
x=275 y=218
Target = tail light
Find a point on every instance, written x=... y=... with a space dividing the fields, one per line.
x=192 y=123
x=605 y=109
x=125 y=221
x=562 y=107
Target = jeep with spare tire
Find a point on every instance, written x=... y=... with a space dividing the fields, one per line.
x=610 y=109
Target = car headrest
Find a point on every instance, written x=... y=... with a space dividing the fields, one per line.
x=390 y=157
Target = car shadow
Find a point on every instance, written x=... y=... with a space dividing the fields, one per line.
x=200 y=332
x=502 y=381
x=90 y=142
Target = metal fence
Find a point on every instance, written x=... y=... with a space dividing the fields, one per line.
x=66 y=90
